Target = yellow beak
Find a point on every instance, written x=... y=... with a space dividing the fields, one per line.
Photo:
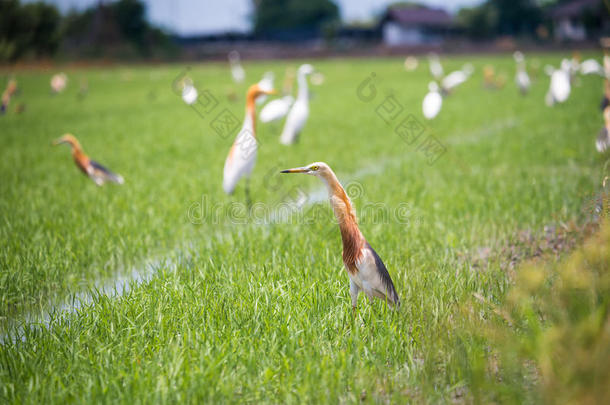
x=296 y=170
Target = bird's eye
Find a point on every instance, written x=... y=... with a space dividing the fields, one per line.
x=314 y=168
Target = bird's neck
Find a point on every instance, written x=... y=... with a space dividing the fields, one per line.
x=250 y=118
x=352 y=238
x=303 y=94
x=78 y=154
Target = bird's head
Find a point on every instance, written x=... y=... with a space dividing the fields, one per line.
x=318 y=169
x=256 y=91
x=306 y=69
x=69 y=139
x=518 y=56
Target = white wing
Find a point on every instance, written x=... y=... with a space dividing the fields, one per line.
x=189 y=94
x=276 y=109
x=240 y=161
x=432 y=104
x=591 y=66
x=453 y=80
x=297 y=117
x=238 y=73
x=436 y=69
x=603 y=141
x=560 y=85
x=523 y=80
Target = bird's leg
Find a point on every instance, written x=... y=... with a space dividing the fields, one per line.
x=353 y=291
x=248 y=200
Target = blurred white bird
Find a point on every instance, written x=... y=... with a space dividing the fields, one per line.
x=410 y=63
x=521 y=77
x=433 y=101
x=266 y=84
x=237 y=71
x=436 y=69
x=602 y=143
x=276 y=109
x=242 y=156
x=189 y=92
x=59 y=82
x=591 y=67
x=453 y=79
x=297 y=117
x=559 y=89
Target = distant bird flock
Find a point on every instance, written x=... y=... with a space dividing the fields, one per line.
x=366 y=270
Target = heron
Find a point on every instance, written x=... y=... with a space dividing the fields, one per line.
x=297 y=117
x=521 y=77
x=455 y=78
x=410 y=63
x=591 y=67
x=242 y=156
x=96 y=172
x=602 y=143
x=364 y=267
x=433 y=101
x=7 y=94
x=559 y=88
x=436 y=69
x=59 y=82
x=276 y=109
x=237 y=72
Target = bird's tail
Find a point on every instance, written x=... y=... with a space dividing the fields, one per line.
x=393 y=299
x=106 y=174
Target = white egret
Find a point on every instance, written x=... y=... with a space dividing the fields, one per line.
x=433 y=101
x=276 y=109
x=297 y=117
x=237 y=72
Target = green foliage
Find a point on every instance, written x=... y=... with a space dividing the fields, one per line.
x=255 y=312
x=277 y=15
x=501 y=17
x=33 y=27
x=37 y=29
x=554 y=326
x=479 y=22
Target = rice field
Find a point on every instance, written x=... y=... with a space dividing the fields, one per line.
x=165 y=289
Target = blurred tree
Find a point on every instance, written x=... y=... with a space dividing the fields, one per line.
x=478 y=22
x=285 y=15
x=32 y=27
x=130 y=16
x=516 y=17
x=501 y=17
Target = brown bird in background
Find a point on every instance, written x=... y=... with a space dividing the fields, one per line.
x=96 y=172
x=11 y=89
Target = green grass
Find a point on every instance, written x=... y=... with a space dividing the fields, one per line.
x=261 y=312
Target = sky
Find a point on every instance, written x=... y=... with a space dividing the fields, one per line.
x=197 y=17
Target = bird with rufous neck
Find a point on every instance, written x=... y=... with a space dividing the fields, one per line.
x=242 y=156
x=364 y=267
x=96 y=172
